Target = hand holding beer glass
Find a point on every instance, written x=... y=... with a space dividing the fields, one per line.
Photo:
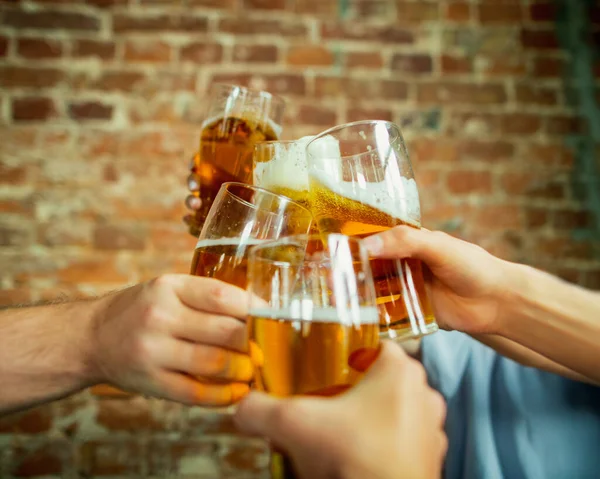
x=361 y=182
x=235 y=119
x=317 y=330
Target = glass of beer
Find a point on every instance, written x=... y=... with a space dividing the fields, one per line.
x=316 y=329
x=361 y=182
x=234 y=120
x=240 y=217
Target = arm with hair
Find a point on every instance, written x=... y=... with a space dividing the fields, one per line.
x=44 y=353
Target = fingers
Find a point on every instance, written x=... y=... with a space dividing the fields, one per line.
x=212 y=329
x=209 y=295
x=190 y=391
x=199 y=360
x=407 y=242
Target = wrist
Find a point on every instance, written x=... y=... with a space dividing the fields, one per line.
x=516 y=288
x=92 y=352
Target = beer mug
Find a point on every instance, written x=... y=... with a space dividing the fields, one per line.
x=316 y=330
x=235 y=119
x=361 y=182
x=242 y=216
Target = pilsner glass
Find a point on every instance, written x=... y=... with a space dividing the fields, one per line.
x=240 y=217
x=235 y=119
x=361 y=182
x=316 y=330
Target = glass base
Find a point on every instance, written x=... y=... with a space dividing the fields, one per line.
x=399 y=336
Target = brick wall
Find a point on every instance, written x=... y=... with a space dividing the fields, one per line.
x=497 y=99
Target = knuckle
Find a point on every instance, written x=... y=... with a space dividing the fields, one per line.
x=155 y=317
x=163 y=281
x=211 y=361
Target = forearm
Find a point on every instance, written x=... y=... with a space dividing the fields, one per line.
x=45 y=353
x=553 y=318
x=529 y=358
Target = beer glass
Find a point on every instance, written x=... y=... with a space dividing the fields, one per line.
x=235 y=119
x=242 y=216
x=361 y=182
x=316 y=330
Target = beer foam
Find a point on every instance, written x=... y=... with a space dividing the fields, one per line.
x=304 y=310
x=399 y=200
x=203 y=243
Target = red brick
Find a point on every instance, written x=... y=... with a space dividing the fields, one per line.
x=98 y=270
x=317 y=115
x=434 y=149
x=410 y=12
x=127 y=23
x=364 y=60
x=265 y=4
x=317 y=7
x=94 y=48
x=202 y=53
x=532 y=94
x=368 y=9
x=520 y=123
x=285 y=84
x=461 y=93
x=35 y=48
x=309 y=55
x=513 y=65
x=255 y=53
x=500 y=13
x=548 y=67
x=147 y=51
x=487 y=151
x=47 y=459
x=32 y=108
x=90 y=110
x=119 y=80
x=220 y=4
x=246 y=457
x=250 y=26
x=4 y=42
x=14 y=297
x=50 y=20
x=34 y=421
x=30 y=77
x=467 y=181
x=572 y=219
x=530 y=184
x=111 y=457
x=12 y=174
x=539 y=39
x=564 y=125
x=536 y=218
x=549 y=155
x=458 y=12
x=168 y=458
x=357 y=114
x=412 y=63
x=365 y=33
x=545 y=11
x=498 y=217
x=456 y=64
x=119 y=238
x=359 y=88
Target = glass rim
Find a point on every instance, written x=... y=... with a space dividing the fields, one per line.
x=354 y=124
x=287 y=200
x=248 y=91
x=253 y=254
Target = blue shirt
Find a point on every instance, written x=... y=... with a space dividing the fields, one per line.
x=508 y=421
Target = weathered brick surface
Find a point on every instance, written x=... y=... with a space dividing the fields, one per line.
x=97 y=124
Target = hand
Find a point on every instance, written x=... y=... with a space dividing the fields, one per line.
x=389 y=425
x=468 y=285
x=177 y=337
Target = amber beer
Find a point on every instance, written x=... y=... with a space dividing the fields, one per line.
x=320 y=357
x=399 y=284
x=225 y=154
x=225 y=259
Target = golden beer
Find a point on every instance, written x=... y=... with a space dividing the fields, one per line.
x=225 y=154
x=320 y=357
x=399 y=284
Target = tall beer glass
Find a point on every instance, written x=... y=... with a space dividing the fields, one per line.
x=235 y=119
x=317 y=329
x=361 y=183
x=240 y=217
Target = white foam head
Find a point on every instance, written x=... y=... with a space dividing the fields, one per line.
x=204 y=243
x=304 y=310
